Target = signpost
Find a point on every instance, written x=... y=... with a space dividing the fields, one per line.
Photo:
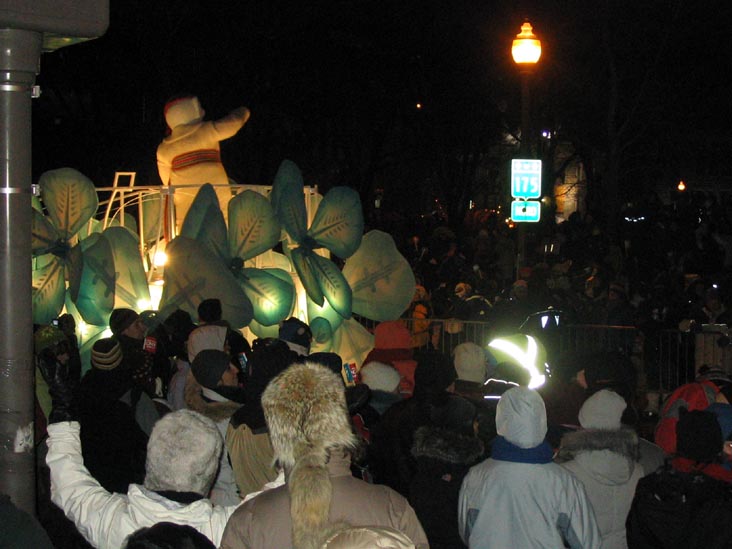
x=526 y=211
x=525 y=185
x=525 y=178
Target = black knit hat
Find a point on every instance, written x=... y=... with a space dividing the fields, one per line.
x=434 y=373
x=208 y=367
x=121 y=319
x=209 y=310
x=698 y=435
x=106 y=354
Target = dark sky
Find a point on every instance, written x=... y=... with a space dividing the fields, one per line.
x=334 y=84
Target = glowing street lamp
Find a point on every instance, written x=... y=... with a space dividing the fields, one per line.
x=526 y=52
x=681 y=186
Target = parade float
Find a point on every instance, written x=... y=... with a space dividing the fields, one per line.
x=284 y=250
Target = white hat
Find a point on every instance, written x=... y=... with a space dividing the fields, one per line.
x=602 y=410
x=521 y=417
x=380 y=377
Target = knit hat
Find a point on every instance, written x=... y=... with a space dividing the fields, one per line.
x=434 y=372
x=455 y=414
x=470 y=362
x=521 y=417
x=121 y=319
x=46 y=337
x=305 y=409
x=602 y=410
x=183 y=453
x=698 y=435
x=297 y=334
x=208 y=367
x=106 y=354
x=380 y=377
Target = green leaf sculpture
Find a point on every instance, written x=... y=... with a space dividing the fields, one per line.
x=382 y=280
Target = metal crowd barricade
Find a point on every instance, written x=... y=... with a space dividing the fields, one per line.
x=665 y=359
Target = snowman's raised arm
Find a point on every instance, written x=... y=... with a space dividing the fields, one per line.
x=230 y=124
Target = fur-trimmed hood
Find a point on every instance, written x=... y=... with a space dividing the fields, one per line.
x=217 y=411
x=608 y=455
x=447 y=446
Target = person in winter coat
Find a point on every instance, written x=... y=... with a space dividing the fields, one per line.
x=390 y=457
x=686 y=503
x=191 y=154
x=212 y=389
x=519 y=497
x=182 y=459
x=604 y=457
x=392 y=346
x=116 y=418
x=445 y=449
x=306 y=413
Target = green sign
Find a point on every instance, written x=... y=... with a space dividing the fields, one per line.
x=527 y=211
x=525 y=178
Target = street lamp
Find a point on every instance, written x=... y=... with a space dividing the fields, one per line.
x=526 y=51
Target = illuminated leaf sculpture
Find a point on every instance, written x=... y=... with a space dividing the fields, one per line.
x=337 y=227
x=382 y=280
x=71 y=200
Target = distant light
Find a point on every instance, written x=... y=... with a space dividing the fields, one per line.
x=681 y=186
x=419 y=106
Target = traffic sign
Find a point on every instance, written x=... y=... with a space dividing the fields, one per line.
x=528 y=211
x=525 y=178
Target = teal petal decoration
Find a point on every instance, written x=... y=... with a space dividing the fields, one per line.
x=272 y=297
x=205 y=223
x=324 y=311
x=36 y=203
x=253 y=225
x=321 y=329
x=93 y=226
x=131 y=289
x=49 y=288
x=153 y=208
x=129 y=224
x=288 y=200
x=95 y=295
x=74 y=268
x=338 y=223
x=70 y=199
x=300 y=258
x=352 y=342
x=334 y=286
x=44 y=235
x=193 y=273
x=264 y=331
x=381 y=279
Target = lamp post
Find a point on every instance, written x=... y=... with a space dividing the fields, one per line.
x=526 y=51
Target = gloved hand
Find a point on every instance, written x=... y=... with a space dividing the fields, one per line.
x=61 y=387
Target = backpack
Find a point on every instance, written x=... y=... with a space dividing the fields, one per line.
x=680 y=510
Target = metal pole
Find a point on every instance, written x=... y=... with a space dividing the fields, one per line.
x=20 y=51
x=524 y=151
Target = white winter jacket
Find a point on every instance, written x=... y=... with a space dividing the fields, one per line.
x=509 y=503
x=106 y=519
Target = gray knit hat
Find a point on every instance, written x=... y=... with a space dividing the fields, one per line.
x=183 y=453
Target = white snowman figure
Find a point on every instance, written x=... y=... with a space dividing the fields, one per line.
x=191 y=154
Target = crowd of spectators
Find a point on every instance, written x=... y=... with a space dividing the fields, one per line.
x=182 y=434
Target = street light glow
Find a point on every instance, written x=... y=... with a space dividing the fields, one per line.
x=526 y=49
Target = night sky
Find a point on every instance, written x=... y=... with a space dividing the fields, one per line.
x=333 y=85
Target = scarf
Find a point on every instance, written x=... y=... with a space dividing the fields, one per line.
x=504 y=450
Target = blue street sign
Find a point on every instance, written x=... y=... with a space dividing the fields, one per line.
x=525 y=178
x=526 y=211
